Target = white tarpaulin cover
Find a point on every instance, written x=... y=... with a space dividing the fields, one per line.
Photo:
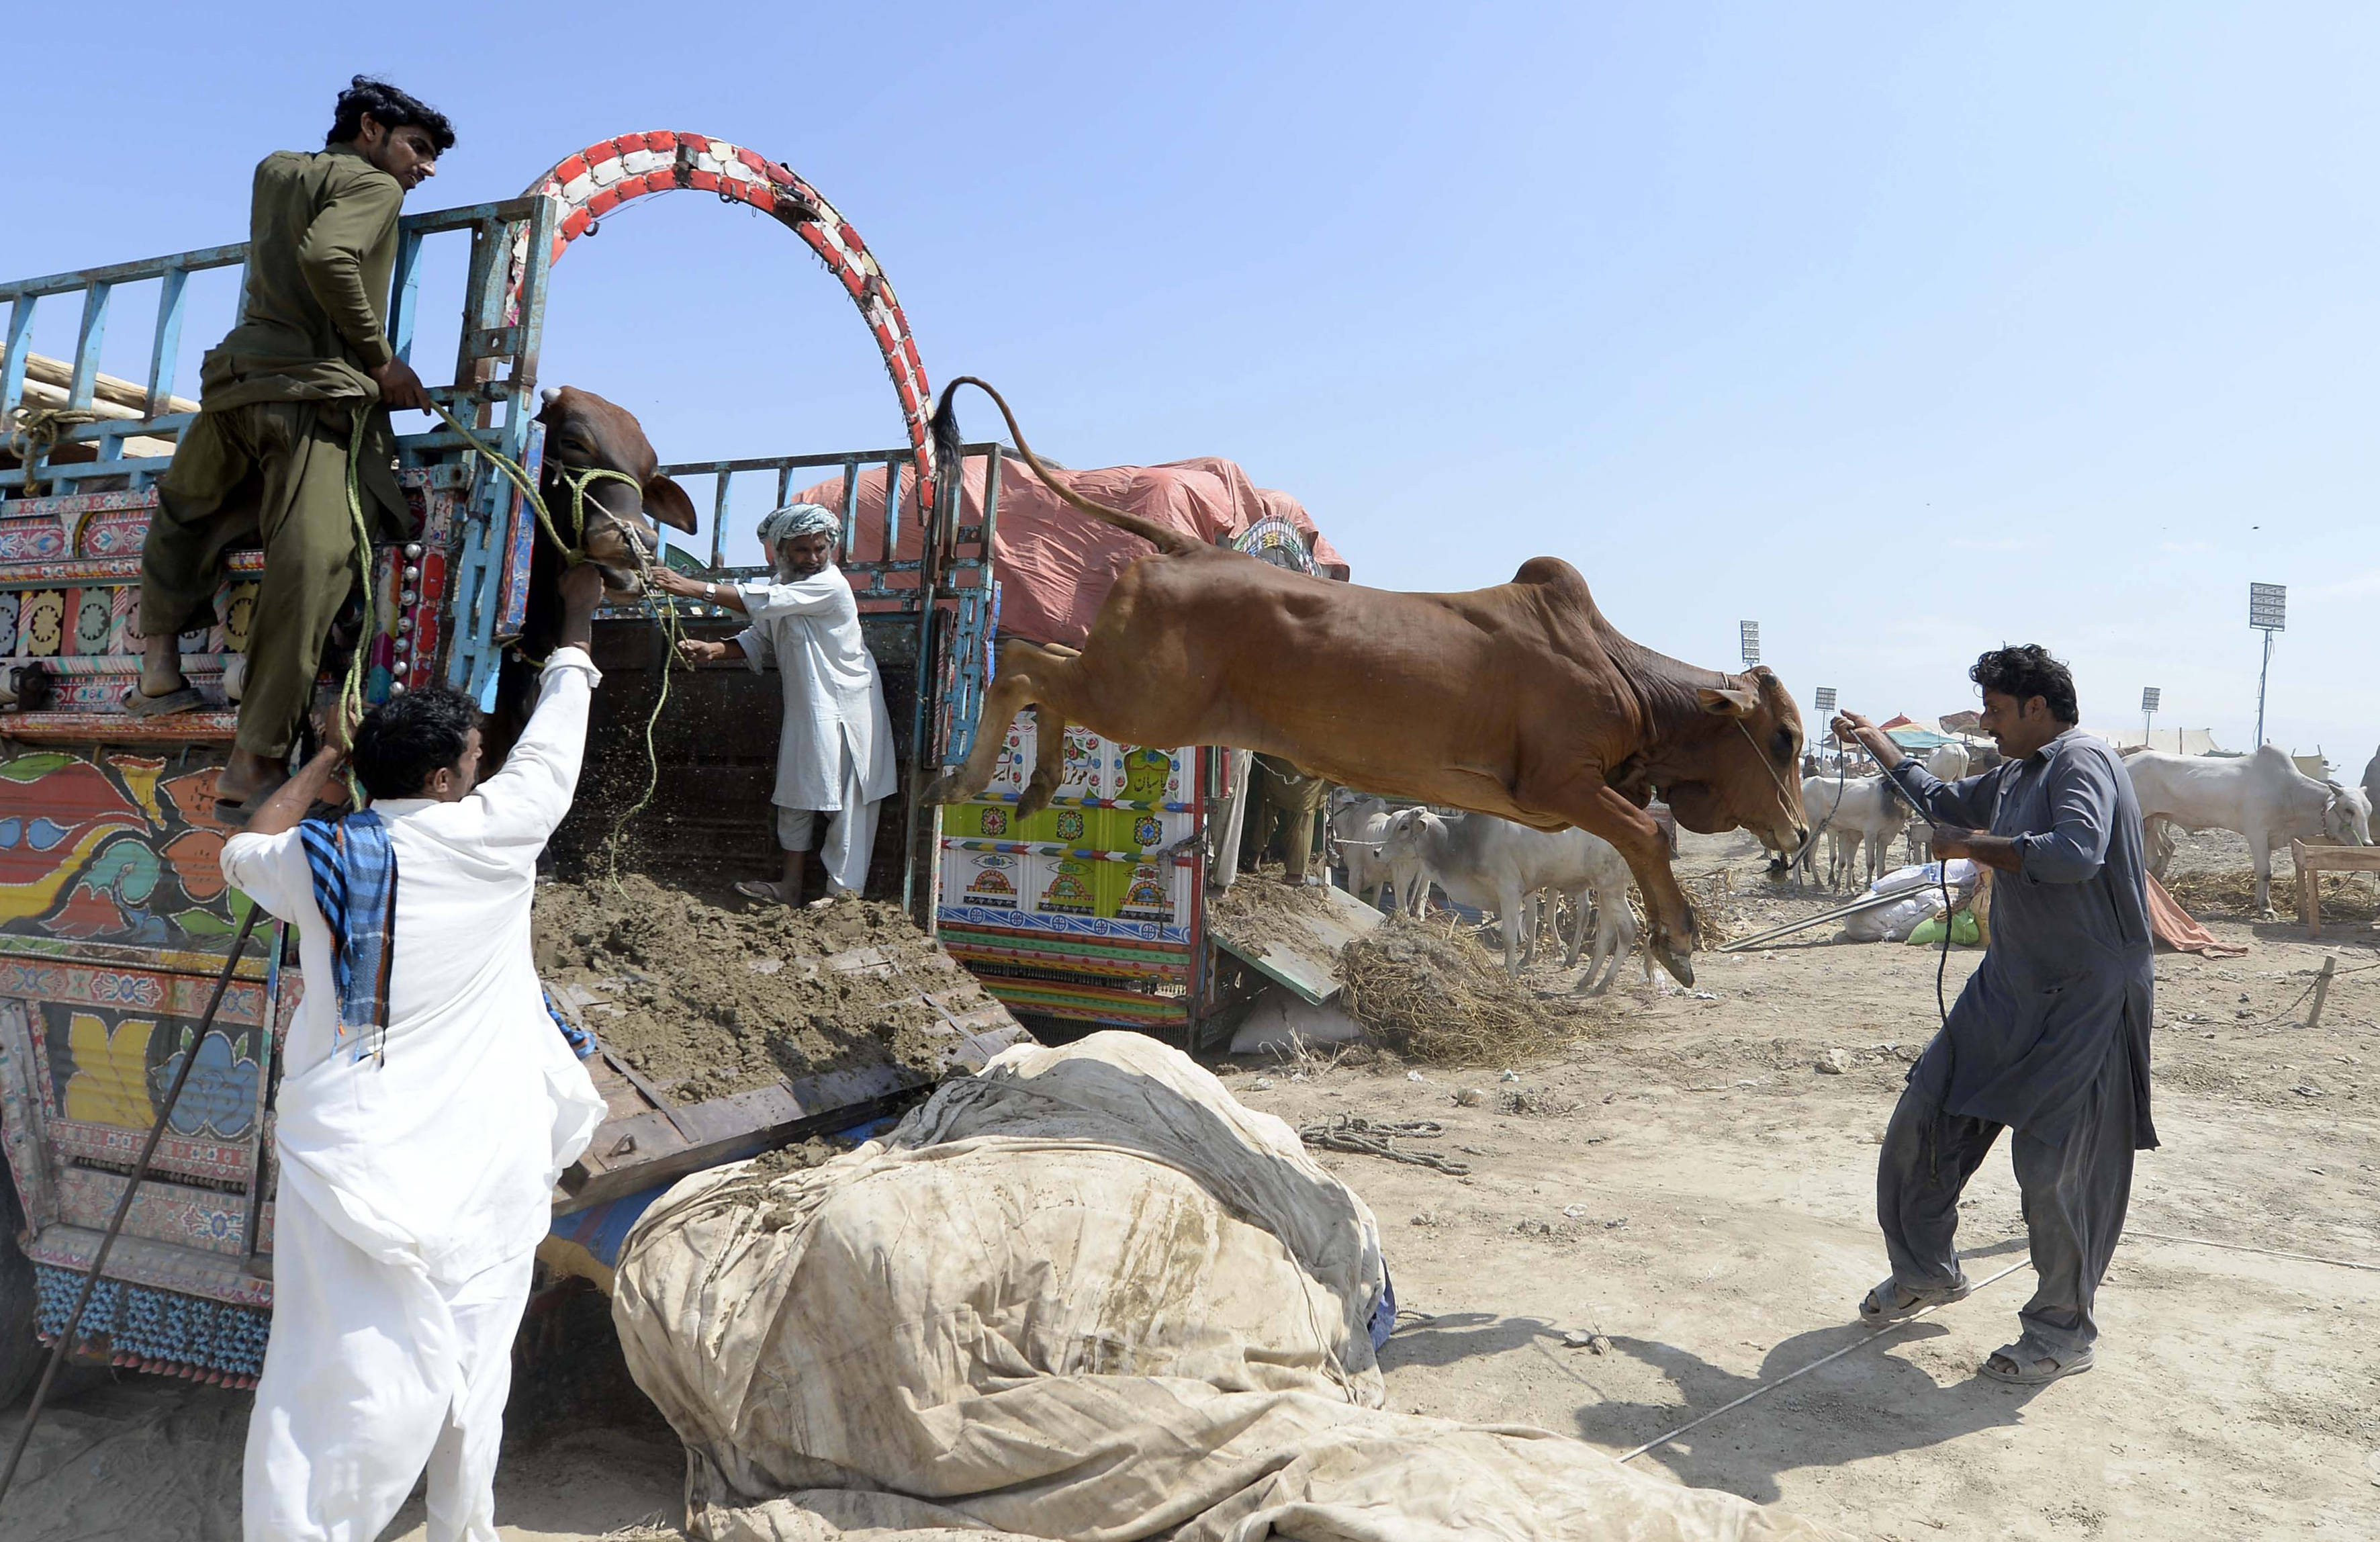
x=1084 y=1295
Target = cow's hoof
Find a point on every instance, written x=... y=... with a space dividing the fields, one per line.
x=1037 y=797
x=1680 y=964
x=942 y=789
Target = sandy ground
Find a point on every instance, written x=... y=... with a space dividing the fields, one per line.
x=1691 y=1186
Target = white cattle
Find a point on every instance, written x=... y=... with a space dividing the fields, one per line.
x=1492 y=864
x=2371 y=783
x=2263 y=796
x=1948 y=762
x=1852 y=812
x=1360 y=827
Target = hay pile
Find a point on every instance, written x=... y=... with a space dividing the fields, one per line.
x=2232 y=892
x=1430 y=992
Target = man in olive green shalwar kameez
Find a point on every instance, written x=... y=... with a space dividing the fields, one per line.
x=265 y=460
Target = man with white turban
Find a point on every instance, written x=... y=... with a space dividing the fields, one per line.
x=834 y=751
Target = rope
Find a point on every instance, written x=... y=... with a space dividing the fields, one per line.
x=2243 y=1248
x=36 y=434
x=1767 y=1387
x=573 y=552
x=1368 y=1137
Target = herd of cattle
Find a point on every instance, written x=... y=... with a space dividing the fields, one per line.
x=1483 y=863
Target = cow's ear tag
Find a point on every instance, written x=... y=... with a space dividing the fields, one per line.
x=1731 y=701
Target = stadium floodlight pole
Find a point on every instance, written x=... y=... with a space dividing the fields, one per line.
x=1748 y=633
x=2149 y=694
x=1825 y=706
x=2268 y=613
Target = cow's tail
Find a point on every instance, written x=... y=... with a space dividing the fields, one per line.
x=948 y=453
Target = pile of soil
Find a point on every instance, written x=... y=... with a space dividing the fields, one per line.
x=1430 y=992
x=705 y=999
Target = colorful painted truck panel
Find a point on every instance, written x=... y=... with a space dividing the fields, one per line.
x=1088 y=909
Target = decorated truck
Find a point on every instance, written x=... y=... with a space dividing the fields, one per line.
x=1095 y=910
x=115 y=919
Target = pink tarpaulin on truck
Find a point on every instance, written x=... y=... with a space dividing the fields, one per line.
x=1056 y=564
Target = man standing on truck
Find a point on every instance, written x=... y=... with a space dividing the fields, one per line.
x=426 y=1106
x=281 y=399
x=2050 y=1037
x=835 y=748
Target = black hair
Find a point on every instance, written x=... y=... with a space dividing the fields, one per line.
x=404 y=742
x=391 y=109
x=2026 y=671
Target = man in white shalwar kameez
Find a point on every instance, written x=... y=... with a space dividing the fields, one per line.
x=835 y=748
x=418 y=1144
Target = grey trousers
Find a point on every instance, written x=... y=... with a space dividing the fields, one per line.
x=2074 y=1189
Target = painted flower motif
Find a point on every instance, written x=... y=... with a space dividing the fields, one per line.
x=8 y=623
x=44 y=622
x=221 y=1097
x=94 y=618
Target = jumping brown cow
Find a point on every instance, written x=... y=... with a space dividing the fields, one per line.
x=1520 y=701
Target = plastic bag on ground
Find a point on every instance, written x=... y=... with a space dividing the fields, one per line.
x=1964 y=931
x=1084 y=1295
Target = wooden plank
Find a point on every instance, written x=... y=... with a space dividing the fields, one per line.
x=1300 y=950
x=2334 y=859
x=127 y=398
x=662 y=1144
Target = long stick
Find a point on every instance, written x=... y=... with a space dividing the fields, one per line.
x=1865 y=902
x=124 y=1204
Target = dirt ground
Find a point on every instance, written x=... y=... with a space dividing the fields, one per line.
x=1690 y=1185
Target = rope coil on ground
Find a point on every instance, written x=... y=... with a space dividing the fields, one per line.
x=1375 y=1138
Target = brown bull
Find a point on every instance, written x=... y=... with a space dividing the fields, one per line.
x=1520 y=700
x=609 y=519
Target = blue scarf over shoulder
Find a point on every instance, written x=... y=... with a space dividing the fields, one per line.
x=354 y=887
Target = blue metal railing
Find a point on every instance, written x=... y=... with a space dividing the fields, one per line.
x=495 y=368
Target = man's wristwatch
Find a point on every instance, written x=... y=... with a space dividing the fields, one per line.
x=711 y=594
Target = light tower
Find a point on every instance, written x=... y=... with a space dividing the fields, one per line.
x=2267 y=612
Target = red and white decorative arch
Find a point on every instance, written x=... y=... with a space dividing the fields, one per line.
x=605 y=175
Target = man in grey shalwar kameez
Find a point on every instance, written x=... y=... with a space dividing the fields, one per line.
x=2050 y=1037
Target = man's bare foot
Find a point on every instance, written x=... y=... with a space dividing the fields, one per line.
x=161 y=668
x=249 y=778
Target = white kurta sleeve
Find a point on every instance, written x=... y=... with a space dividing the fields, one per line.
x=523 y=803
x=825 y=592
x=272 y=870
x=754 y=641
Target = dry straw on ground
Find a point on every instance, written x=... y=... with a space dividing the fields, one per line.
x=2344 y=896
x=1430 y=991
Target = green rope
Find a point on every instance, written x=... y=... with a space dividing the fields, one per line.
x=351 y=695
x=573 y=552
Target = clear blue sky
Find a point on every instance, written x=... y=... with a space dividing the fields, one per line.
x=1902 y=330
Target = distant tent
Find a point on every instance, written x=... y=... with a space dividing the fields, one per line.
x=1916 y=738
x=1961 y=723
x=1903 y=721
x=2172 y=741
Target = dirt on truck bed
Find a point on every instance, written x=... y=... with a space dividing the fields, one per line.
x=706 y=998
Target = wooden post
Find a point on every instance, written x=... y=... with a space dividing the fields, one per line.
x=2322 y=989
x=2309 y=891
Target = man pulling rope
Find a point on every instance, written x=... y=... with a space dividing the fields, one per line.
x=834 y=750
